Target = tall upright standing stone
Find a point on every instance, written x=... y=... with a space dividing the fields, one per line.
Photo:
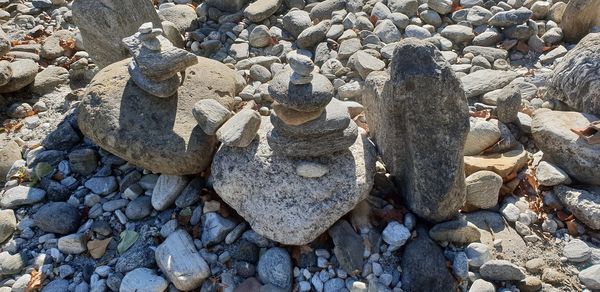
x=420 y=120
x=104 y=23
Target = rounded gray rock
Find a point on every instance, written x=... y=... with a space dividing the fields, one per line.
x=275 y=267
x=305 y=98
x=57 y=217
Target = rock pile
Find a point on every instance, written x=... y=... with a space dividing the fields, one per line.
x=156 y=63
x=306 y=121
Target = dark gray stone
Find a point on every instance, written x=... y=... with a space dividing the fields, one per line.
x=349 y=247
x=424 y=266
x=275 y=267
x=227 y=6
x=57 y=217
x=512 y=17
x=310 y=146
x=509 y=104
x=215 y=228
x=139 y=208
x=420 y=117
x=191 y=194
x=140 y=255
x=63 y=138
x=83 y=161
x=305 y=98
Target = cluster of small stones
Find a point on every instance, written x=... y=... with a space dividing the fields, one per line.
x=99 y=195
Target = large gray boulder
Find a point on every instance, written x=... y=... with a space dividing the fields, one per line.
x=280 y=203
x=103 y=24
x=421 y=121
x=576 y=78
x=579 y=18
x=158 y=134
x=552 y=134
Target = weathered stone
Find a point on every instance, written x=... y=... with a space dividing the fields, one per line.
x=421 y=78
x=456 y=231
x=312 y=146
x=579 y=17
x=324 y=9
x=483 y=188
x=303 y=207
x=482 y=135
x=296 y=21
x=348 y=246
x=167 y=188
x=181 y=263
x=492 y=227
x=142 y=279
x=424 y=266
x=215 y=228
x=72 y=244
x=552 y=134
x=9 y=153
x=293 y=117
x=49 y=79
x=103 y=24
x=585 y=205
x=57 y=217
x=307 y=97
x=165 y=138
x=240 y=130
x=365 y=63
x=8 y=224
x=501 y=270
x=509 y=18
x=501 y=163
x=334 y=118
x=484 y=81
x=548 y=174
x=577 y=251
x=210 y=115
x=275 y=268
x=509 y=103
x=23 y=74
x=313 y=35
x=575 y=80
x=261 y=9
x=182 y=16
x=590 y=277
x=21 y=195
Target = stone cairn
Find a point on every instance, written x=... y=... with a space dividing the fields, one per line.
x=156 y=62
x=307 y=120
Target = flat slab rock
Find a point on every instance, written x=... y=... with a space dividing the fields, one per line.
x=552 y=134
x=286 y=207
x=512 y=247
x=158 y=134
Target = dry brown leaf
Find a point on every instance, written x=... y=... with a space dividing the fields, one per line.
x=571 y=227
x=35 y=283
x=97 y=248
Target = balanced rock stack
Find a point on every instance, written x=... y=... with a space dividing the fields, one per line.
x=307 y=121
x=309 y=164
x=156 y=62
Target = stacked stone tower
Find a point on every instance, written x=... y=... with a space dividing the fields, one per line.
x=156 y=62
x=307 y=120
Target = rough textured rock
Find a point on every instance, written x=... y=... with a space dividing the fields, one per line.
x=23 y=74
x=46 y=218
x=512 y=246
x=261 y=9
x=484 y=81
x=457 y=231
x=501 y=270
x=8 y=224
x=159 y=134
x=552 y=134
x=181 y=263
x=579 y=18
x=182 y=16
x=575 y=79
x=283 y=206
x=210 y=115
x=348 y=245
x=585 y=205
x=482 y=134
x=483 y=188
x=19 y=196
x=10 y=153
x=424 y=266
x=423 y=96
x=103 y=24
